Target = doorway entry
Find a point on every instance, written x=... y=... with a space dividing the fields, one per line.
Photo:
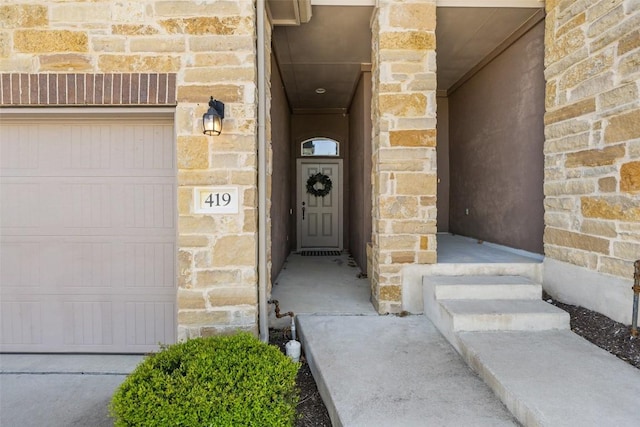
x=319 y=212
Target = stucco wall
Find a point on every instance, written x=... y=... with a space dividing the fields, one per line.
x=207 y=49
x=443 y=164
x=359 y=171
x=281 y=180
x=496 y=141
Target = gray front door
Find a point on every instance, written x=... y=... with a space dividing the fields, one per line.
x=319 y=218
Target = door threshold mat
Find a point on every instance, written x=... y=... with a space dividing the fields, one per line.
x=320 y=253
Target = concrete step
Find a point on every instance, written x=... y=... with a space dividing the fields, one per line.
x=485 y=287
x=554 y=378
x=503 y=315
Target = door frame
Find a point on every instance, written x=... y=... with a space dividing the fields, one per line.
x=299 y=194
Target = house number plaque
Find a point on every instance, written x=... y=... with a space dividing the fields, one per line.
x=216 y=200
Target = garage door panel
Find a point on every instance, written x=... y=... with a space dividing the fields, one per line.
x=88 y=230
x=88 y=150
x=89 y=206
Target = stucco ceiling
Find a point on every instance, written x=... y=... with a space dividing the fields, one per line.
x=330 y=49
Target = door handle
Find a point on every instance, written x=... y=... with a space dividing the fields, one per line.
x=303 y=209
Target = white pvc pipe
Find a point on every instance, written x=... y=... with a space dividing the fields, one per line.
x=263 y=323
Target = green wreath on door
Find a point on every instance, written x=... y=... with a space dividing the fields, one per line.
x=319 y=178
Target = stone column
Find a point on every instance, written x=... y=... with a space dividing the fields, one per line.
x=404 y=141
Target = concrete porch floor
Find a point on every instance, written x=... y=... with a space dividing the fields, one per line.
x=328 y=285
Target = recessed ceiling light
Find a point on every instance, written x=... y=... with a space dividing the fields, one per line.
x=320 y=90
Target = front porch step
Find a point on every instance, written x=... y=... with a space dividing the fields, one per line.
x=502 y=315
x=485 y=287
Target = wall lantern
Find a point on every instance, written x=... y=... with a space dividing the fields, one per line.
x=212 y=119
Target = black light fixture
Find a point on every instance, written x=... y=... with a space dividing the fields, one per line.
x=212 y=119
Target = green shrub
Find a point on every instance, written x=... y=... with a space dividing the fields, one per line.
x=219 y=381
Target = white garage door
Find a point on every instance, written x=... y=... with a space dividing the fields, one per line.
x=87 y=243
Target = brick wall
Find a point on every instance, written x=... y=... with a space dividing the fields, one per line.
x=404 y=139
x=592 y=130
x=172 y=53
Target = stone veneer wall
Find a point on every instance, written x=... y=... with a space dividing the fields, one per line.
x=208 y=49
x=592 y=129
x=404 y=140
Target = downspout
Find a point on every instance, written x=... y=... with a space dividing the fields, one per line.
x=263 y=323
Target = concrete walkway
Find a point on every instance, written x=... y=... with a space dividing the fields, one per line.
x=60 y=390
x=392 y=371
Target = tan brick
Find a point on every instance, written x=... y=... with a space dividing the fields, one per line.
x=157 y=44
x=209 y=278
x=573 y=256
x=629 y=66
x=190 y=300
x=605 y=22
x=400 y=207
x=413 y=16
x=551 y=94
x=413 y=138
x=210 y=44
x=220 y=59
x=203 y=177
x=413 y=227
x=626 y=250
x=198 y=93
x=427 y=257
x=390 y=293
x=574 y=22
x=563 y=46
x=409 y=40
x=206 y=25
x=65 y=62
x=615 y=207
x=395 y=242
x=618 y=96
x=567 y=143
x=557 y=219
x=571 y=111
x=243 y=177
x=133 y=30
x=235 y=250
x=599 y=228
x=606 y=156
x=590 y=67
x=607 y=184
x=568 y=187
x=416 y=184
x=571 y=239
x=93 y=12
x=232 y=296
x=219 y=74
x=203 y=317
x=185 y=261
x=617 y=267
x=630 y=177
x=403 y=257
x=629 y=42
x=250 y=221
x=196 y=225
x=403 y=104
x=623 y=127
x=43 y=41
x=565 y=128
x=23 y=16
x=110 y=63
x=193 y=152
x=191 y=241
x=108 y=44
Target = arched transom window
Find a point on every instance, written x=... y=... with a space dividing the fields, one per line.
x=320 y=147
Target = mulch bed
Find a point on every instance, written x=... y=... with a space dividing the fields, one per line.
x=311 y=409
x=600 y=330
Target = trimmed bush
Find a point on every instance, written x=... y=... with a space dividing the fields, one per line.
x=218 y=381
